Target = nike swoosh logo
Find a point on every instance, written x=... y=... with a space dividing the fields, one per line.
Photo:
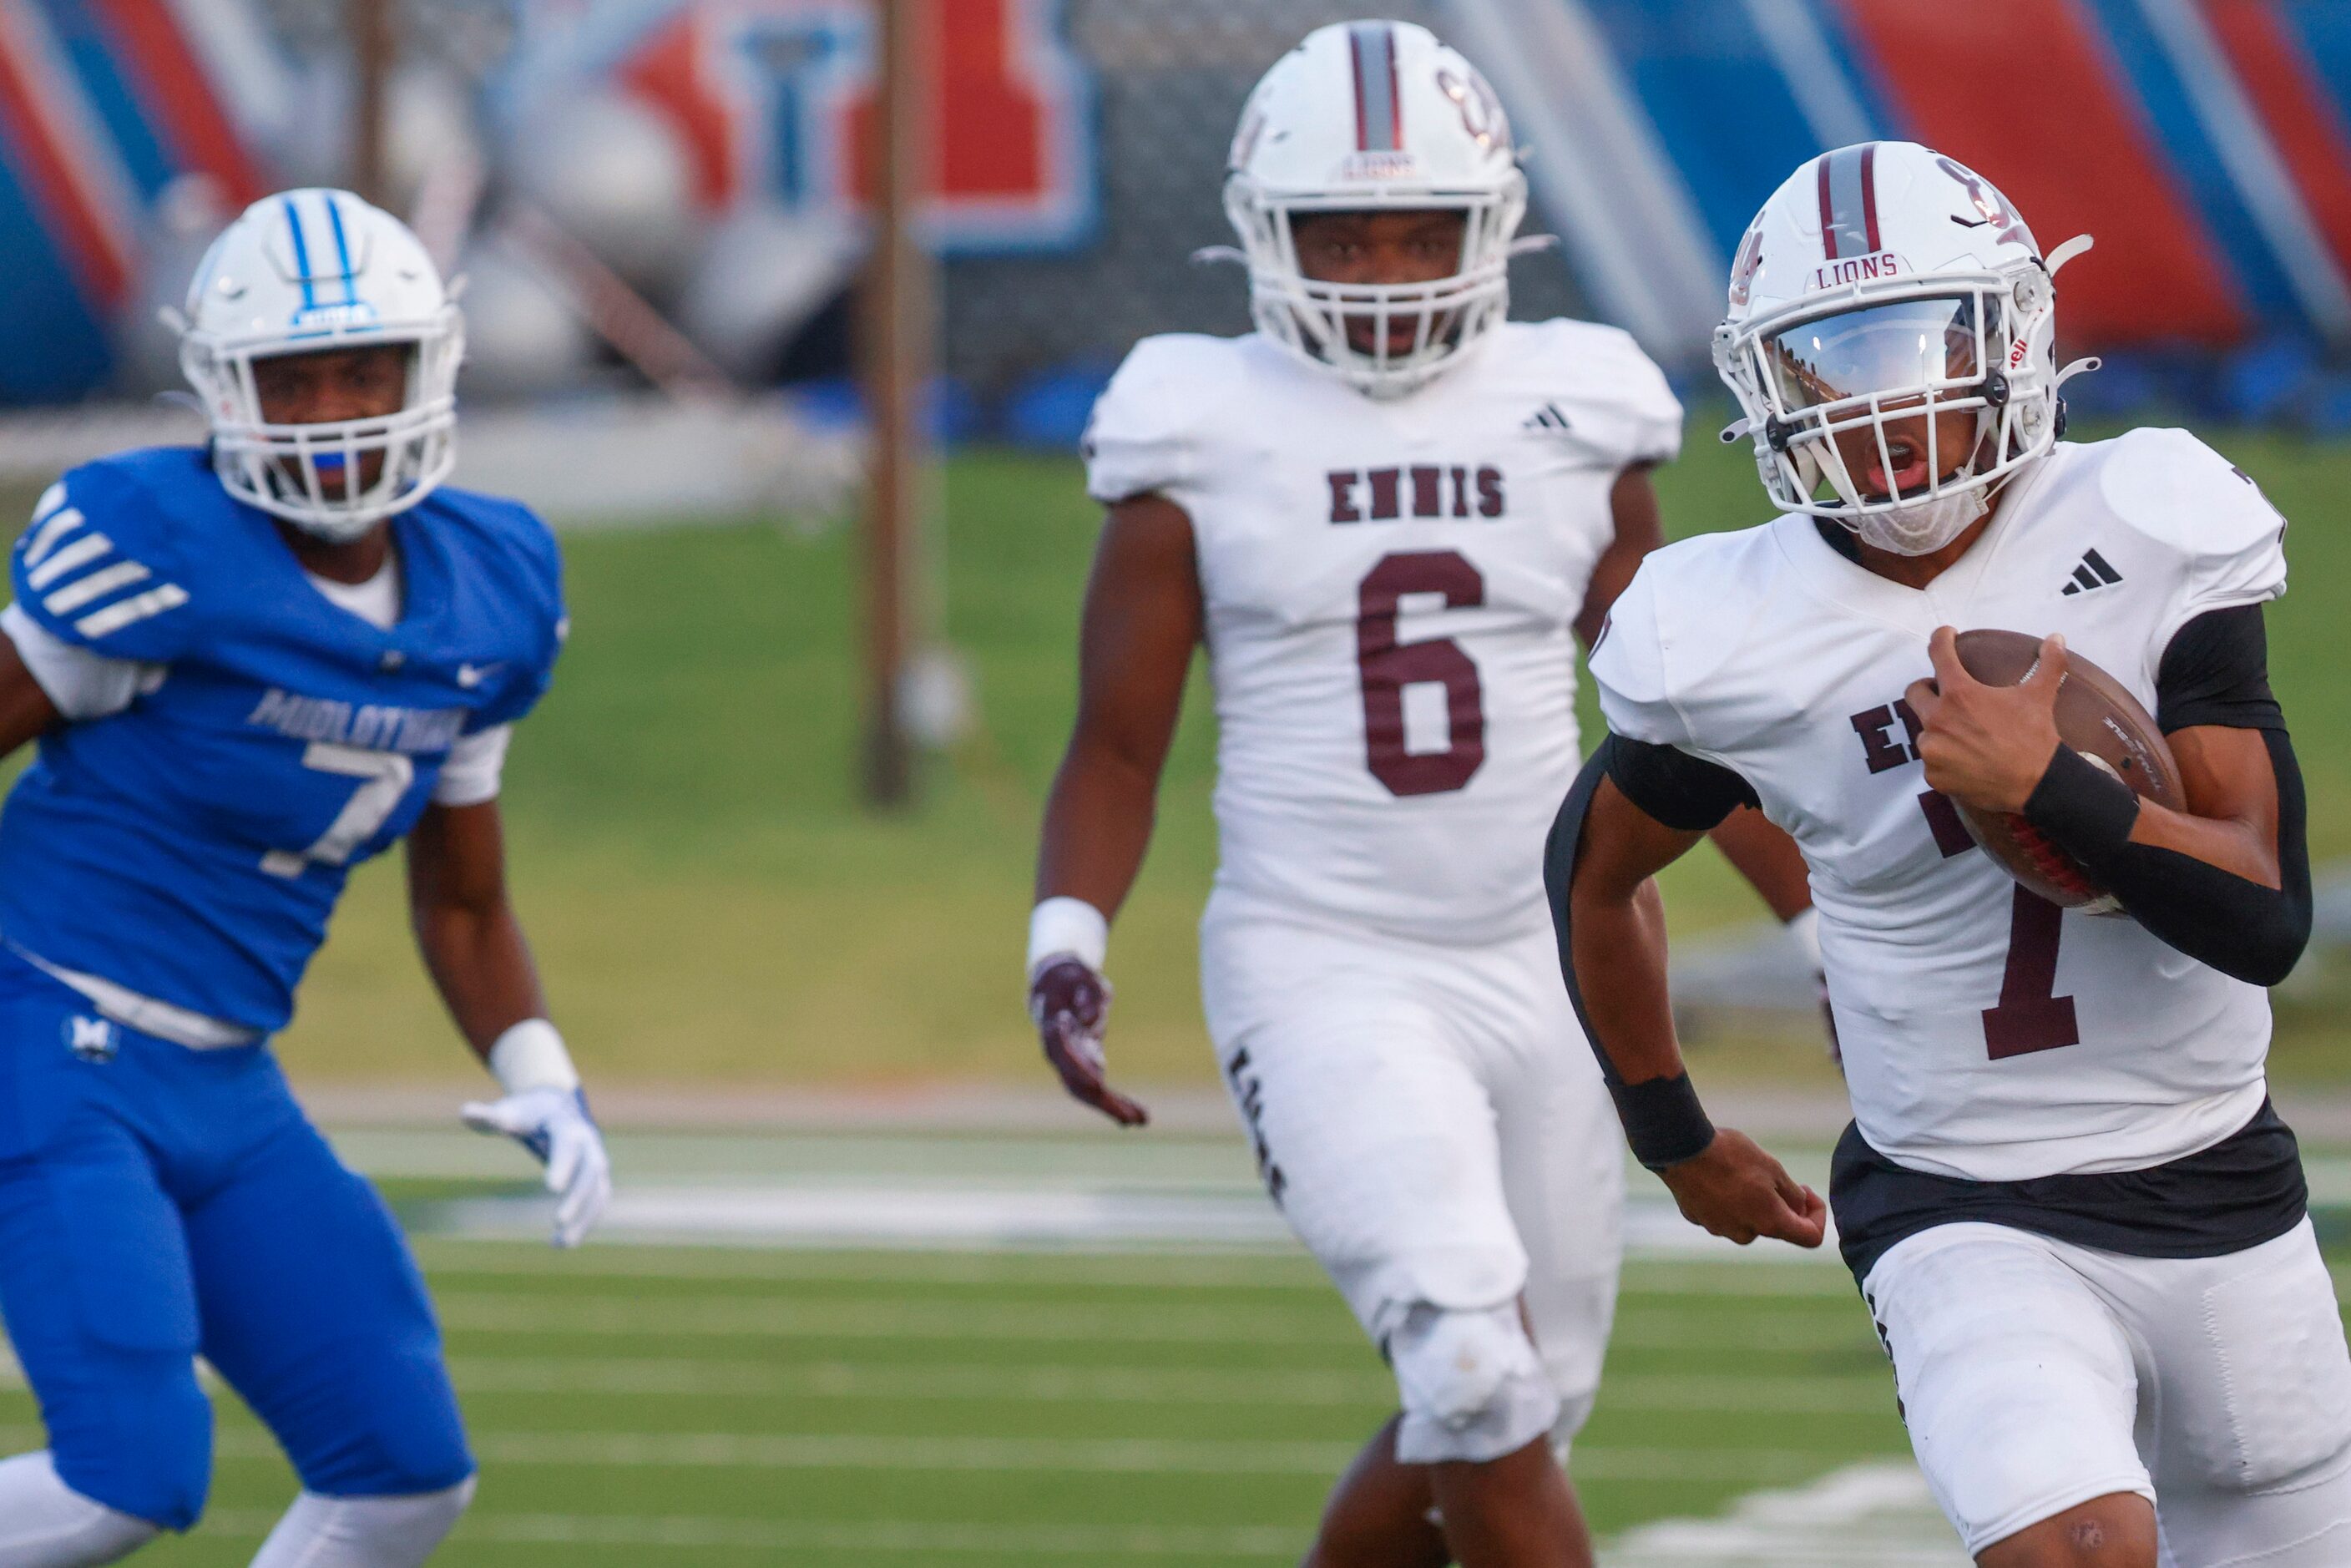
x=1968 y=223
x=472 y=676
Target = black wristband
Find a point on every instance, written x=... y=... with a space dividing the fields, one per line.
x=1662 y=1120
x=2085 y=811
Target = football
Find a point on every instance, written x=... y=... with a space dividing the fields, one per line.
x=2097 y=716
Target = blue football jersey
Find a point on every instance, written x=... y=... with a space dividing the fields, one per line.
x=192 y=846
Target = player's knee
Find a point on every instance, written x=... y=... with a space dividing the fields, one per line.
x=392 y=1531
x=1473 y=1387
x=411 y=1443
x=151 y=1458
x=45 y=1523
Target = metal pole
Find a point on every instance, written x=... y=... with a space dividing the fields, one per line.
x=897 y=362
x=373 y=47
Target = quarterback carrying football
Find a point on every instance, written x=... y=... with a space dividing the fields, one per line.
x=2078 y=1223
x=1389 y=514
x=250 y=667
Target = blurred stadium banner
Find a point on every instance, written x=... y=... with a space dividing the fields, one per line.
x=773 y=99
x=103 y=104
x=708 y=151
x=2203 y=141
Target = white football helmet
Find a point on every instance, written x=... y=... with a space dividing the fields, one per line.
x=1882 y=285
x=1361 y=116
x=302 y=272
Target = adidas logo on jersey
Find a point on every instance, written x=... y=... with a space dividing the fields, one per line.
x=1548 y=418
x=2093 y=572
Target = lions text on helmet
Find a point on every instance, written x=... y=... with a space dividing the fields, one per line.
x=1890 y=338
x=324 y=348
x=1377 y=191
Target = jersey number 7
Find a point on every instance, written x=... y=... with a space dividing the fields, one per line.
x=2030 y=1014
x=1386 y=666
x=384 y=777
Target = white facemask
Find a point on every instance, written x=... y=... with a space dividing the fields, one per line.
x=1924 y=528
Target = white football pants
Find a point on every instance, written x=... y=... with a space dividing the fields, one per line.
x=2036 y=1374
x=1432 y=1122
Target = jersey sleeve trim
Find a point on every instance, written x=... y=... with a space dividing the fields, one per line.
x=474 y=769
x=85 y=583
x=2215 y=671
x=79 y=684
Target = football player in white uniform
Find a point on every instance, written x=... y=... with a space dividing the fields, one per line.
x=1388 y=514
x=2077 y=1221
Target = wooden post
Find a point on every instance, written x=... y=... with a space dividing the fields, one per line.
x=373 y=50
x=897 y=362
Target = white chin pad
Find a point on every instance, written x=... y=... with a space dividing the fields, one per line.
x=1473 y=1387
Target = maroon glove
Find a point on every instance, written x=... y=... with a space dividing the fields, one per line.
x=1070 y=1003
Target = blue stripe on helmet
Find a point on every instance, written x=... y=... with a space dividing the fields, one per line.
x=302 y=253
x=342 y=252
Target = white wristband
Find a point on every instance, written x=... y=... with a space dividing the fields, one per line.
x=1806 y=929
x=530 y=1055
x=1069 y=926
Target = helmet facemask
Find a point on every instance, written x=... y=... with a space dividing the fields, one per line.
x=1309 y=316
x=1898 y=414
x=312 y=272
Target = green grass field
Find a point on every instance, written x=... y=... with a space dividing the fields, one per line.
x=710 y=903
x=850 y=1407
x=638 y=1405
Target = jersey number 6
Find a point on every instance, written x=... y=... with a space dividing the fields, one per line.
x=384 y=777
x=1387 y=666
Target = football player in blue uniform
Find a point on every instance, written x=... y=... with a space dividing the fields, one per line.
x=249 y=668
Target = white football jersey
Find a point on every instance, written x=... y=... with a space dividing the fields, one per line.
x=1390 y=591
x=1987 y=1035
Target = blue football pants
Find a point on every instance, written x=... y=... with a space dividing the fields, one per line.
x=157 y=1203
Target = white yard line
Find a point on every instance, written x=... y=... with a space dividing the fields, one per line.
x=790 y=1451
x=1872 y=1515
x=1656 y=1326
x=737 y=1378
x=785 y=1317
x=989 y=1216
x=1098 y=1543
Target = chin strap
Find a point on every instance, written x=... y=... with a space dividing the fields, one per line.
x=1218 y=255
x=1533 y=245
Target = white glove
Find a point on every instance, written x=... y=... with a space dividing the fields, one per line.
x=544 y=1111
x=555 y=1126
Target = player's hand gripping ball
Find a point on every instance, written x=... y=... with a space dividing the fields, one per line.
x=1070 y=1005
x=1995 y=711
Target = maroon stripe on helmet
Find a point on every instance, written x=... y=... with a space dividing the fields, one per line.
x=1828 y=208
x=1379 y=107
x=1355 y=53
x=1869 y=195
x=1396 y=93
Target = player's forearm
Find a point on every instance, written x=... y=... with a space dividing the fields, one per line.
x=481 y=964
x=1097 y=827
x=2239 y=925
x=1617 y=946
x=1768 y=860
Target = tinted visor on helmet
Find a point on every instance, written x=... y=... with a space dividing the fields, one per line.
x=1888 y=400
x=1910 y=347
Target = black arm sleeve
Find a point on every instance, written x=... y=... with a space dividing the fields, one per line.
x=2240 y=927
x=1663 y=1122
x=2216 y=670
x=1681 y=791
